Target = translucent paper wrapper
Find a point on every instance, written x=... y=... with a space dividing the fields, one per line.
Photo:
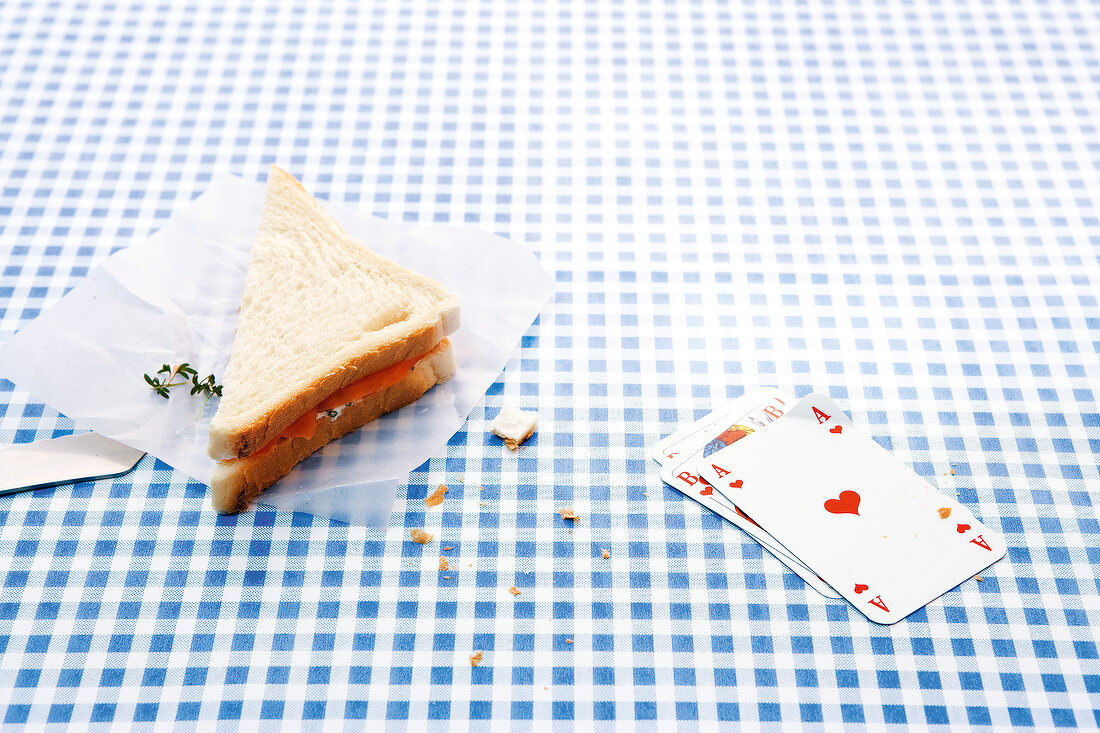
x=174 y=297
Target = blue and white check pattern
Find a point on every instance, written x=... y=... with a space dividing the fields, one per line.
x=894 y=203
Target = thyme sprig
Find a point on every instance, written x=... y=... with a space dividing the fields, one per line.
x=206 y=386
x=161 y=385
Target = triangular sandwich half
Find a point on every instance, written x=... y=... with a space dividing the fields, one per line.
x=330 y=336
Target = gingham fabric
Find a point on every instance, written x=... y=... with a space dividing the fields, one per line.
x=890 y=202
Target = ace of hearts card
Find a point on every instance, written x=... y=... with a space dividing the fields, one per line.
x=878 y=533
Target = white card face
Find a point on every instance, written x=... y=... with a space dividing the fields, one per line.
x=721 y=506
x=671 y=449
x=869 y=525
x=751 y=409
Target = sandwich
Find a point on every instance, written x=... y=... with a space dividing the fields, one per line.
x=330 y=336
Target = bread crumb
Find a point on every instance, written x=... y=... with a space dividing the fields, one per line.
x=570 y=531
x=483 y=503
x=436 y=497
x=446 y=548
x=421 y=536
x=606 y=554
x=978 y=578
x=514 y=590
x=952 y=472
x=546 y=688
x=470 y=565
x=475 y=658
x=568 y=641
x=443 y=565
x=945 y=512
x=514 y=425
x=568 y=513
x=446 y=577
x=645 y=493
x=462 y=479
x=481 y=488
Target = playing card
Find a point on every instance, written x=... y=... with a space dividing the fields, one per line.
x=671 y=449
x=754 y=409
x=725 y=509
x=733 y=425
x=877 y=532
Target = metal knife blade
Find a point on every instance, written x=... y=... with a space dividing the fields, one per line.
x=84 y=457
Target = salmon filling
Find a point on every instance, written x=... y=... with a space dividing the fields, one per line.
x=306 y=425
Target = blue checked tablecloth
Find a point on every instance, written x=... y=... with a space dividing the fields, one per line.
x=890 y=202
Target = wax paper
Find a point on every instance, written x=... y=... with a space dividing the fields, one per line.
x=173 y=297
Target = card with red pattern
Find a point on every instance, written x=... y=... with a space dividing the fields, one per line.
x=881 y=535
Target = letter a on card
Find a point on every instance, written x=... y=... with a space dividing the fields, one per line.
x=980 y=542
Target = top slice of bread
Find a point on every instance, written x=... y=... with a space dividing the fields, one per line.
x=320 y=311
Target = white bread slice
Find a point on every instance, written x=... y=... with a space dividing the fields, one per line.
x=238 y=481
x=320 y=310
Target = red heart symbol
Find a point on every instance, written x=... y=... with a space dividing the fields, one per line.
x=707 y=491
x=737 y=484
x=846 y=503
x=961 y=528
x=860 y=587
x=836 y=429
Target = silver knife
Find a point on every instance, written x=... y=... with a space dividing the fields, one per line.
x=84 y=457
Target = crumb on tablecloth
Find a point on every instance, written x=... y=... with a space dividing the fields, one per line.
x=483 y=503
x=445 y=549
x=945 y=512
x=462 y=479
x=978 y=578
x=514 y=590
x=475 y=658
x=567 y=512
x=606 y=554
x=446 y=577
x=514 y=425
x=436 y=497
x=568 y=641
x=443 y=564
x=421 y=536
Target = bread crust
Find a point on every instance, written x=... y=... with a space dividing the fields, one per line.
x=237 y=482
x=225 y=443
x=514 y=444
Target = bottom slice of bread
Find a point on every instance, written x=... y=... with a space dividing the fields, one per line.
x=237 y=482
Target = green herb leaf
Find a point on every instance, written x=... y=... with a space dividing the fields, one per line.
x=184 y=370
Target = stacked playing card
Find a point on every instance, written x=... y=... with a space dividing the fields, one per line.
x=828 y=502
